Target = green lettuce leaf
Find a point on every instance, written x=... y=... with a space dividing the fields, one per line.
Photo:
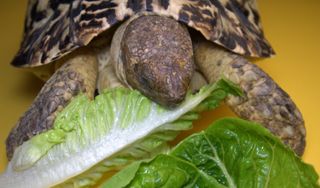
x=165 y=171
x=232 y=152
x=92 y=137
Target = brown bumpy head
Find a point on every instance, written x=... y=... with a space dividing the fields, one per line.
x=155 y=57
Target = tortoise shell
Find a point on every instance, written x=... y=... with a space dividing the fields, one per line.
x=54 y=28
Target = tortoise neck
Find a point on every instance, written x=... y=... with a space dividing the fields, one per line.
x=212 y=60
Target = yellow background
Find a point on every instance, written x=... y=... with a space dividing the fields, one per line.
x=292 y=27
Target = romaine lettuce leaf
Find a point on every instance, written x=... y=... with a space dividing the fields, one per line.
x=165 y=171
x=233 y=152
x=91 y=137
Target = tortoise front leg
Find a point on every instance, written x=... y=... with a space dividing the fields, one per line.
x=263 y=101
x=77 y=75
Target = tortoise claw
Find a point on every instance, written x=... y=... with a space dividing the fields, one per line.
x=77 y=75
x=264 y=101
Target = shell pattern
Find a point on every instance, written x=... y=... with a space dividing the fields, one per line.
x=54 y=28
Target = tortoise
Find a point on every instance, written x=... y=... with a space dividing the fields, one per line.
x=163 y=48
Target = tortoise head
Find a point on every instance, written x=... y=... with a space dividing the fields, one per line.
x=154 y=55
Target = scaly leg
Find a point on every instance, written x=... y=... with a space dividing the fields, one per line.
x=77 y=75
x=264 y=101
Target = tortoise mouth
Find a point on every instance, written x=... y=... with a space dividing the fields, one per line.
x=154 y=55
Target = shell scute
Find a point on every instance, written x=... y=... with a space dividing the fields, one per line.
x=57 y=27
